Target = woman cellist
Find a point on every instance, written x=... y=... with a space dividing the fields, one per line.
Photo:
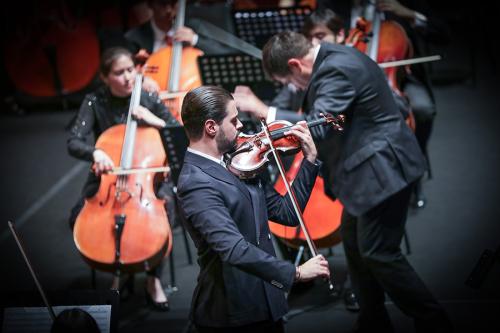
x=103 y=109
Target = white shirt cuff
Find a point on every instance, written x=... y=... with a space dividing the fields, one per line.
x=420 y=20
x=271 y=114
x=195 y=40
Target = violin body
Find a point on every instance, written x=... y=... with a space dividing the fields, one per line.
x=146 y=236
x=158 y=67
x=254 y=151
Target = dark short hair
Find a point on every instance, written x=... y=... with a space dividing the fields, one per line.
x=110 y=55
x=282 y=47
x=74 y=320
x=201 y=104
x=325 y=17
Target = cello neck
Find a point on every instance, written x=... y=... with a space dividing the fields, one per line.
x=375 y=16
x=131 y=129
x=176 y=57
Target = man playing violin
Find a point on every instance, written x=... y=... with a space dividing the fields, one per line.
x=371 y=168
x=241 y=285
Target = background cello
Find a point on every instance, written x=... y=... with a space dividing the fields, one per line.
x=124 y=226
x=164 y=66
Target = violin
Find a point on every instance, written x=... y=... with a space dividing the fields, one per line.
x=124 y=226
x=252 y=152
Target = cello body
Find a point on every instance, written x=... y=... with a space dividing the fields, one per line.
x=158 y=67
x=322 y=214
x=146 y=236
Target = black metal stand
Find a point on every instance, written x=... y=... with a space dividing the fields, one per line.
x=257 y=26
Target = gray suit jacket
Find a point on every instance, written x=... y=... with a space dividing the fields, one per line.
x=376 y=155
x=241 y=281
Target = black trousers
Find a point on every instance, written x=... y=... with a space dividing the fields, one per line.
x=261 y=326
x=377 y=266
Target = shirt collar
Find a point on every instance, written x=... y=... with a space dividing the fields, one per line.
x=197 y=152
x=158 y=33
x=316 y=51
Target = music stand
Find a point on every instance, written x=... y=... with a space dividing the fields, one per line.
x=175 y=142
x=257 y=26
x=228 y=71
x=26 y=311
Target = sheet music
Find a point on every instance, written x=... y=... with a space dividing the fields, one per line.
x=37 y=319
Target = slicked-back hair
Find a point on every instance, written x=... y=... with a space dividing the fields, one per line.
x=110 y=55
x=326 y=17
x=201 y=104
x=280 y=48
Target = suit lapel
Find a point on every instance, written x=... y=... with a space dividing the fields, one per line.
x=216 y=171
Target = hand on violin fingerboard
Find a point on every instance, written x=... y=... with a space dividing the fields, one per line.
x=301 y=132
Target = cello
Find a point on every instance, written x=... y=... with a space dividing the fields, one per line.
x=124 y=226
x=383 y=41
x=164 y=66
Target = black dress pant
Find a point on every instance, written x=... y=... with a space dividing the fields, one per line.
x=377 y=266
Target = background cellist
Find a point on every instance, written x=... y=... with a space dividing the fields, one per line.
x=158 y=31
x=241 y=283
x=100 y=110
x=421 y=27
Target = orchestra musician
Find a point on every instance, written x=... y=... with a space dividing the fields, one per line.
x=421 y=27
x=320 y=26
x=158 y=31
x=371 y=168
x=241 y=285
x=102 y=109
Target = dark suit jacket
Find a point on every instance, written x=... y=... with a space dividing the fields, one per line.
x=240 y=281
x=376 y=155
x=142 y=37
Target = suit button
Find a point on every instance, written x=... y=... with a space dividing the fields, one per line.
x=269 y=236
x=276 y=284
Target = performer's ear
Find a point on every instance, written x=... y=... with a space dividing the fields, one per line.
x=294 y=65
x=211 y=127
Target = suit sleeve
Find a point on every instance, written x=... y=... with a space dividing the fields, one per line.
x=334 y=94
x=279 y=208
x=205 y=209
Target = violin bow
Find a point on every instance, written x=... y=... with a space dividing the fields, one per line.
x=38 y=285
x=293 y=198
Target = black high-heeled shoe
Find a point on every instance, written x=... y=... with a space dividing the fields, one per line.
x=158 y=306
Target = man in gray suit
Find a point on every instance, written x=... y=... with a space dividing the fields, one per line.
x=371 y=168
x=241 y=286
